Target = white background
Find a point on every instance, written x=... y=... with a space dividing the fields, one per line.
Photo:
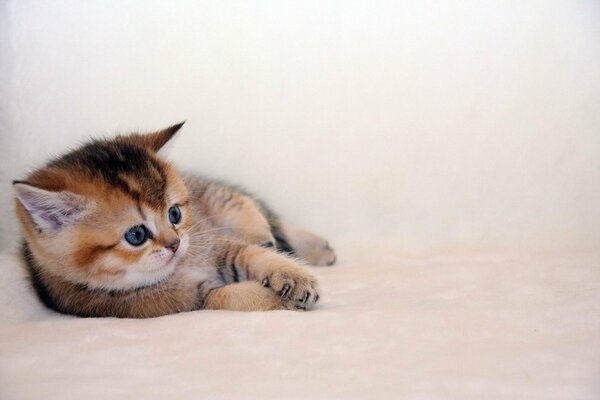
x=435 y=126
x=414 y=135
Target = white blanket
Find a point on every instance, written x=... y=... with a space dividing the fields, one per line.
x=454 y=126
x=389 y=326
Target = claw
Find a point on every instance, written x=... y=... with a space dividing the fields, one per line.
x=305 y=297
x=286 y=290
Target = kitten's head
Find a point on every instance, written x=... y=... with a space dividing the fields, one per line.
x=112 y=214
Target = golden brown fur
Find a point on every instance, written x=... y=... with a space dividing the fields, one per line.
x=75 y=211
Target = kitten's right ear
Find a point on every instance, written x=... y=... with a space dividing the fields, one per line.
x=50 y=210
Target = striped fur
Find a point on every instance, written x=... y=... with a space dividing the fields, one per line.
x=75 y=211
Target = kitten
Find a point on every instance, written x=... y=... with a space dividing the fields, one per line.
x=113 y=230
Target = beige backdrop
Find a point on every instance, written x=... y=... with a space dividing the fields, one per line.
x=403 y=131
x=436 y=126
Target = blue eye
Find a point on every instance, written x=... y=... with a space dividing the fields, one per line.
x=174 y=214
x=137 y=235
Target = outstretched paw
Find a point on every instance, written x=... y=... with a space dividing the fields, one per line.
x=312 y=248
x=297 y=288
x=321 y=253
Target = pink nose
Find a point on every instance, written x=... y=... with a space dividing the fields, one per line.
x=174 y=245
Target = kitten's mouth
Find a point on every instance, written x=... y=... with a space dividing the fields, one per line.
x=173 y=258
x=183 y=246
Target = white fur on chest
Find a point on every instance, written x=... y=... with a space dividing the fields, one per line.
x=198 y=274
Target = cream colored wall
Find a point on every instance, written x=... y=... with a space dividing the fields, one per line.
x=436 y=125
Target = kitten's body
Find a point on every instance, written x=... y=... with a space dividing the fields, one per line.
x=75 y=211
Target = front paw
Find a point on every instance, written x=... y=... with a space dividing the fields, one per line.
x=297 y=288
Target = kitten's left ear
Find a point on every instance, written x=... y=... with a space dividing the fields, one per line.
x=161 y=142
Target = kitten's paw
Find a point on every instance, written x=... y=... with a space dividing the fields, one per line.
x=312 y=248
x=320 y=253
x=245 y=296
x=297 y=288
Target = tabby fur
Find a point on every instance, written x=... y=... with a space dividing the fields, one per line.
x=228 y=251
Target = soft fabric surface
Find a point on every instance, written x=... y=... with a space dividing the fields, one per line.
x=389 y=326
x=468 y=128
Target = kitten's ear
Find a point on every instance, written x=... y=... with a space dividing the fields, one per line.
x=50 y=210
x=161 y=142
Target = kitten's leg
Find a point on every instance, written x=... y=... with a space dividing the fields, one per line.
x=252 y=226
x=247 y=219
x=245 y=296
x=295 y=286
x=312 y=248
x=240 y=216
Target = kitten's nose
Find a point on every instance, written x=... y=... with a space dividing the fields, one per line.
x=174 y=245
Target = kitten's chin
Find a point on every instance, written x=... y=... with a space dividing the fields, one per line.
x=135 y=279
x=138 y=276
